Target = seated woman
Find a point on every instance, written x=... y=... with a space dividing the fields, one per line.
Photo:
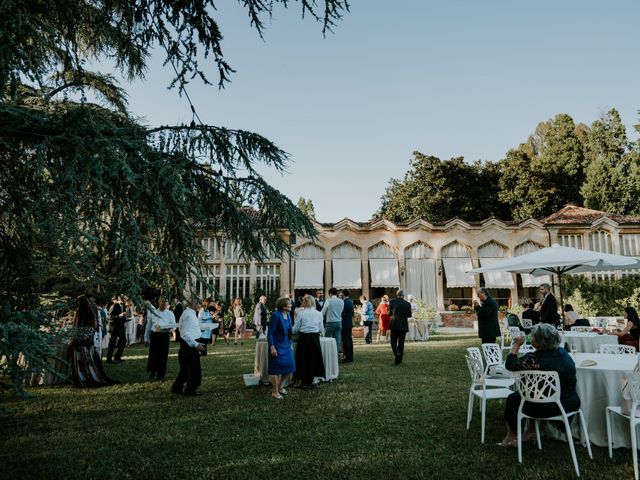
x=631 y=332
x=570 y=316
x=309 y=363
x=549 y=356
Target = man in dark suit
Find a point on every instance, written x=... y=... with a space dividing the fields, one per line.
x=549 y=306
x=319 y=300
x=347 y=325
x=400 y=312
x=487 y=312
x=117 y=320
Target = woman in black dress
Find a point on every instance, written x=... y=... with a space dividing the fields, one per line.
x=85 y=363
x=630 y=334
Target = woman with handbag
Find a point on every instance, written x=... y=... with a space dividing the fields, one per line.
x=241 y=323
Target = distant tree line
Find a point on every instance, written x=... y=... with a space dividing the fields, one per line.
x=594 y=166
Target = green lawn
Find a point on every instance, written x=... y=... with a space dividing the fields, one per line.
x=376 y=421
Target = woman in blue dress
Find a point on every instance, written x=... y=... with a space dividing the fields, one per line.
x=281 y=363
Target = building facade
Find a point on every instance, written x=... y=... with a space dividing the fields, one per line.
x=428 y=260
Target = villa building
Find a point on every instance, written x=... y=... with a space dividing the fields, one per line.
x=428 y=260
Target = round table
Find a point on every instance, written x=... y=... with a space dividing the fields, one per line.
x=600 y=386
x=418 y=330
x=587 y=342
x=329 y=358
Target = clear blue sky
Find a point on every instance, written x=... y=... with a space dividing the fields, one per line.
x=449 y=78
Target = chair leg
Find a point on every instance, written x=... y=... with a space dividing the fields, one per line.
x=634 y=447
x=609 y=437
x=538 y=439
x=572 y=447
x=470 y=410
x=585 y=433
x=484 y=413
x=519 y=433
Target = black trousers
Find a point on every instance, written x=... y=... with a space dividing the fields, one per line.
x=119 y=335
x=190 y=373
x=397 y=343
x=158 y=353
x=488 y=339
x=347 y=344
x=368 y=326
x=541 y=410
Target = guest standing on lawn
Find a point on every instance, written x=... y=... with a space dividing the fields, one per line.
x=160 y=323
x=178 y=308
x=241 y=323
x=117 y=321
x=487 y=312
x=548 y=306
x=332 y=314
x=260 y=316
x=205 y=318
x=400 y=312
x=383 y=318
x=347 y=326
x=281 y=362
x=190 y=374
x=366 y=312
x=309 y=363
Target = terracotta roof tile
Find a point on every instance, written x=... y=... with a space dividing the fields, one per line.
x=572 y=214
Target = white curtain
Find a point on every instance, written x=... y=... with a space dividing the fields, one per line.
x=309 y=274
x=456 y=271
x=496 y=279
x=347 y=273
x=420 y=280
x=384 y=272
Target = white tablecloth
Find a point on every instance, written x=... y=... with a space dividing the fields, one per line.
x=418 y=331
x=598 y=387
x=587 y=342
x=329 y=358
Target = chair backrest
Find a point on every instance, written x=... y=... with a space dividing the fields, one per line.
x=474 y=352
x=475 y=369
x=538 y=386
x=617 y=349
x=513 y=320
x=581 y=322
x=492 y=354
x=633 y=386
x=527 y=323
x=581 y=329
x=515 y=332
x=526 y=349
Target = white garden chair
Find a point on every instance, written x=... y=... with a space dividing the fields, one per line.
x=502 y=379
x=493 y=358
x=633 y=386
x=581 y=329
x=538 y=386
x=526 y=323
x=617 y=349
x=479 y=388
x=524 y=349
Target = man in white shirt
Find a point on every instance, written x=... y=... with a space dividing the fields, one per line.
x=190 y=376
x=332 y=313
x=160 y=323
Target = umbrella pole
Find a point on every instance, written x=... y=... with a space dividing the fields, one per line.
x=561 y=300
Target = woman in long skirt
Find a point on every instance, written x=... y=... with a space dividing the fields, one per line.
x=160 y=324
x=85 y=363
x=309 y=363
x=281 y=363
x=240 y=322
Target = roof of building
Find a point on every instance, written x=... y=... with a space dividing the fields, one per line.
x=572 y=214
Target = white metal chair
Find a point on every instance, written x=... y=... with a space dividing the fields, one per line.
x=633 y=386
x=617 y=349
x=493 y=358
x=581 y=329
x=479 y=388
x=526 y=323
x=538 y=386
x=502 y=379
x=525 y=348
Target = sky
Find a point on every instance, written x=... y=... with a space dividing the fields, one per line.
x=450 y=78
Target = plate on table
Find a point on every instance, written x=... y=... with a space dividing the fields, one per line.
x=588 y=363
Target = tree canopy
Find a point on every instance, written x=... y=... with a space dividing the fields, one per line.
x=92 y=200
x=560 y=163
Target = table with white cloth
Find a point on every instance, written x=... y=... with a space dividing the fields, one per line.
x=418 y=330
x=587 y=342
x=600 y=386
x=329 y=358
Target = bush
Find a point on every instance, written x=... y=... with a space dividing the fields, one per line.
x=599 y=297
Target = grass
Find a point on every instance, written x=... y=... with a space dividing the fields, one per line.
x=376 y=421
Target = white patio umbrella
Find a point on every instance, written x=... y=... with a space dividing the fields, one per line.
x=560 y=260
